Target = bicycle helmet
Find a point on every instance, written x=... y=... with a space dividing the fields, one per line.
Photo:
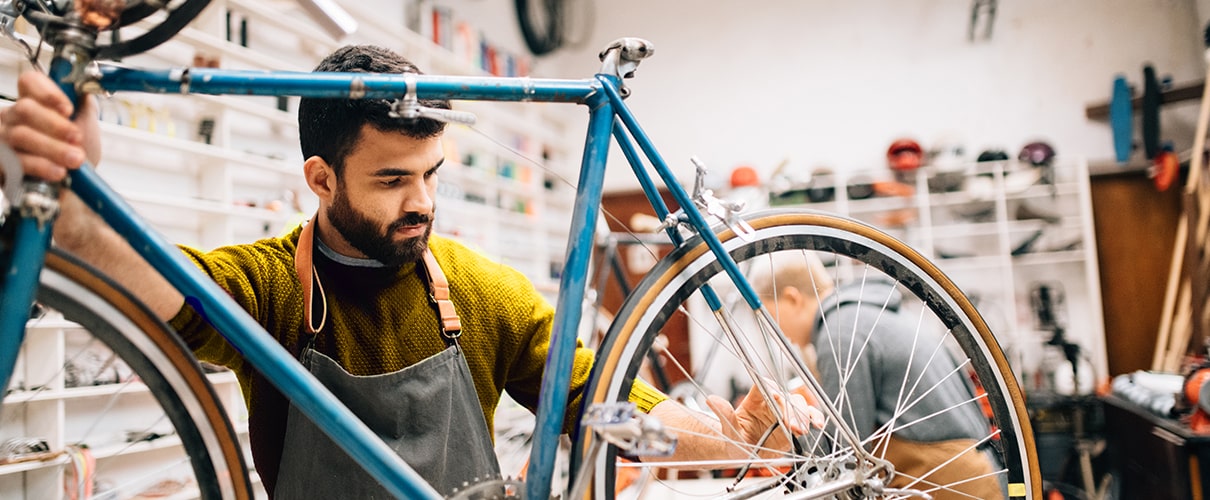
x=744 y=175
x=821 y=188
x=948 y=154
x=860 y=187
x=1037 y=153
x=992 y=155
x=904 y=155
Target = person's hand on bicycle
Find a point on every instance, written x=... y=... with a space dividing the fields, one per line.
x=754 y=417
x=40 y=128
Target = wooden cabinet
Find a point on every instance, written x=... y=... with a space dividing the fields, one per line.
x=1135 y=230
x=1154 y=457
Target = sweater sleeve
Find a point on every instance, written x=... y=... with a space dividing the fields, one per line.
x=519 y=320
x=249 y=278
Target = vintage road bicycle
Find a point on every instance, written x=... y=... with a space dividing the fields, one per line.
x=703 y=285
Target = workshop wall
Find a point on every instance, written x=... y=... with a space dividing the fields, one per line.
x=833 y=83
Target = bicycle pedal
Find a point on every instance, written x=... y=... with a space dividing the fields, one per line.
x=636 y=433
x=608 y=415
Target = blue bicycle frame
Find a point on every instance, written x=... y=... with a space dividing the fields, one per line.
x=609 y=119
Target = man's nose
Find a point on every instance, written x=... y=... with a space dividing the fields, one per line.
x=418 y=199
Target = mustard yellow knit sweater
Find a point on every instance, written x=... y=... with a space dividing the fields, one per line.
x=380 y=321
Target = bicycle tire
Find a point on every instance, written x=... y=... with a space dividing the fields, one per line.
x=662 y=292
x=158 y=359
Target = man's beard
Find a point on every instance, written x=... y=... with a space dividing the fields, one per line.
x=364 y=235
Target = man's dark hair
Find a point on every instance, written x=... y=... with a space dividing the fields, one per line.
x=330 y=128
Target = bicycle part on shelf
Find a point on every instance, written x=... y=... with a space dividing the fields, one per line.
x=408 y=107
x=1027 y=245
x=942 y=317
x=91 y=314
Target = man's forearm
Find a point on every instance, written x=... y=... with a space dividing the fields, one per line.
x=699 y=435
x=81 y=232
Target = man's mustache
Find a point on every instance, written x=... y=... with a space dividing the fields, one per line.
x=410 y=219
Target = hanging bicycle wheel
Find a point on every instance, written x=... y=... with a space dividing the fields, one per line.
x=107 y=402
x=917 y=395
x=160 y=20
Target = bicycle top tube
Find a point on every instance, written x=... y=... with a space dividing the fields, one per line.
x=346 y=85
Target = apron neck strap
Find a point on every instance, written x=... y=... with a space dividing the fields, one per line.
x=439 y=297
x=309 y=279
x=430 y=273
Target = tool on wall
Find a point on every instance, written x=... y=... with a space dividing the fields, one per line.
x=985 y=10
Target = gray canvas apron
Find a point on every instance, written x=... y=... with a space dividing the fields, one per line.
x=428 y=413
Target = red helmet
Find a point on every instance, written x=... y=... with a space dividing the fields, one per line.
x=904 y=154
x=744 y=175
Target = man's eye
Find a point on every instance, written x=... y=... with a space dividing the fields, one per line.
x=391 y=183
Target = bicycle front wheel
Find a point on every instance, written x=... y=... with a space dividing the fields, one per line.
x=107 y=402
x=916 y=382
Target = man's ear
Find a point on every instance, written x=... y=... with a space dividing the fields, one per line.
x=321 y=178
x=793 y=295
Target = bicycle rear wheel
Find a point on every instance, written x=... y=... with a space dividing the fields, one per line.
x=128 y=411
x=954 y=343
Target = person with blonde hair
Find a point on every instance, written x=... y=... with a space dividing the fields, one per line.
x=853 y=335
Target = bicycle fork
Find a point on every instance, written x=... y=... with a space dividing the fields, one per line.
x=24 y=241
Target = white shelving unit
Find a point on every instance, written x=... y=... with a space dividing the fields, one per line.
x=59 y=410
x=1000 y=237
x=229 y=186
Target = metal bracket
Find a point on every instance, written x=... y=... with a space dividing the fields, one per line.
x=408 y=107
x=727 y=211
x=40 y=202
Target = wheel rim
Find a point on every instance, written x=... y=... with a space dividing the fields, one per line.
x=164 y=389
x=684 y=269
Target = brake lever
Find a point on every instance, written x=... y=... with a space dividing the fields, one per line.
x=8 y=27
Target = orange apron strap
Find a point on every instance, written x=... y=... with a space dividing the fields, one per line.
x=439 y=294
x=309 y=280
